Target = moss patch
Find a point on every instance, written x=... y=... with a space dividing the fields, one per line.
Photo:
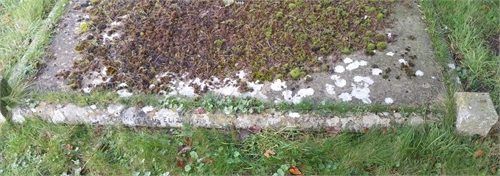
x=206 y=38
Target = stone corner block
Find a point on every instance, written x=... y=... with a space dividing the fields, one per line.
x=475 y=113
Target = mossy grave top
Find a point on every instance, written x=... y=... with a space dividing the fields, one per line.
x=134 y=42
x=366 y=51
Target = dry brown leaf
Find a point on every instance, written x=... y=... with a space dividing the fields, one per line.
x=493 y=170
x=206 y=160
x=385 y=130
x=179 y=162
x=393 y=171
x=84 y=171
x=255 y=129
x=334 y=130
x=183 y=149
x=69 y=147
x=48 y=135
x=268 y=153
x=294 y=170
x=478 y=153
x=365 y=129
x=370 y=168
x=189 y=142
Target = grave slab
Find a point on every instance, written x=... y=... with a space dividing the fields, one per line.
x=476 y=113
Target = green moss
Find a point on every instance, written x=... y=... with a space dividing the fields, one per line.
x=370 y=46
x=85 y=26
x=369 y=33
x=380 y=16
x=279 y=15
x=381 y=45
x=309 y=78
x=292 y=6
x=346 y=51
x=279 y=76
x=295 y=73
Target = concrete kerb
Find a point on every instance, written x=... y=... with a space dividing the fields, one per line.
x=116 y=114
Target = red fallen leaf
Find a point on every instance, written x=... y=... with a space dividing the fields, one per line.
x=365 y=129
x=206 y=160
x=189 y=142
x=334 y=130
x=294 y=170
x=268 y=153
x=84 y=171
x=183 y=149
x=478 y=153
x=255 y=129
x=493 y=170
x=200 y=110
x=179 y=162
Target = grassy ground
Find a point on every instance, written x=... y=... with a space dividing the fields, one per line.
x=40 y=148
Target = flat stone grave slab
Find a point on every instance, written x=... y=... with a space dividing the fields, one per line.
x=402 y=74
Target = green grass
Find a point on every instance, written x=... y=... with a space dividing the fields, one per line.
x=37 y=147
x=468 y=32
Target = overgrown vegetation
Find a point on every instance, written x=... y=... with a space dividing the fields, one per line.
x=472 y=38
x=207 y=39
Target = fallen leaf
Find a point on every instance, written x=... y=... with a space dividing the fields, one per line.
x=69 y=147
x=84 y=171
x=294 y=170
x=48 y=135
x=393 y=171
x=97 y=131
x=268 y=153
x=179 y=162
x=385 y=130
x=189 y=142
x=365 y=129
x=183 y=149
x=206 y=160
x=370 y=168
x=334 y=130
x=493 y=170
x=98 y=145
x=478 y=153
x=200 y=110
x=255 y=129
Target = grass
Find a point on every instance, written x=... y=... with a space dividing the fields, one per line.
x=467 y=36
x=37 y=147
x=40 y=148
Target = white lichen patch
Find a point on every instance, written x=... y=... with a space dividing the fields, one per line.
x=330 y=89
x=241 y=74
x=294 y=114
x=347 y=60
x=390 y=54
x=352 y=66
x=339 y=82
x=87 y=90
x=402 y=61
x=339 y=69
x=345 y=97
x=122 y=85
x=297 y=98
x=388 y=100
x=452 y=66
x=419 y=73
x=376 y=71
x=360 y=92
x=358 y=78
x=363 y=63
x=147 y=109
x=123 y=93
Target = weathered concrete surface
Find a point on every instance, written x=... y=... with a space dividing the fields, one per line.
x=116 y=114
x=476 y=113
x=356 y=78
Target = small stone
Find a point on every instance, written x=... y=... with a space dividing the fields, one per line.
x=476 y=113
